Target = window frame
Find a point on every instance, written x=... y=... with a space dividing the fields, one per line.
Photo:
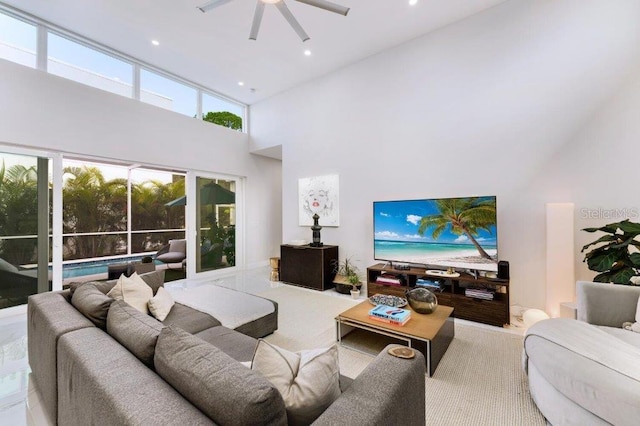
x=44 y=27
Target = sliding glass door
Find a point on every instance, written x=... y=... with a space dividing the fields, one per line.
x=215 y=223
x=25 y=224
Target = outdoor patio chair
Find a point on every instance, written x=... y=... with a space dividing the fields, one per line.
x=17 y=283
x=174 y=252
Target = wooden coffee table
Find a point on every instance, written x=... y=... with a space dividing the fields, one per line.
x=430 y=334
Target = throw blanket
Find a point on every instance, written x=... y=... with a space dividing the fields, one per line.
x=590 y=342
x=232 y=308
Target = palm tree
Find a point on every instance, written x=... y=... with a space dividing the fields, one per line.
x=464 y=216
x=93 y=204
x=18 y=212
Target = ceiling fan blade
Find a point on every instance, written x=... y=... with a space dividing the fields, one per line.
x=212 y=5
x=282 y=7
x=326 y=5
x=257 y=20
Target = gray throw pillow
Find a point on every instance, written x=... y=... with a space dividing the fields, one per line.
x=92 y=303
x=224 y=389
x=134 y=330
x=103 y=286
x=154 y=279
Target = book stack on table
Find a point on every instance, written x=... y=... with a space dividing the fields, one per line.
x=388 y=279
x=479 y=293
x=390 y=315
x=433 y=285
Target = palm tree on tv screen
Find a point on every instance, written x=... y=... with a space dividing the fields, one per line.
x=464 y=216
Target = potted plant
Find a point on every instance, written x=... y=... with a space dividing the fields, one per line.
x=347 y=279
x=613 y=260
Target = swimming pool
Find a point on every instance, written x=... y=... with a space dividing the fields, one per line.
x=96 y=267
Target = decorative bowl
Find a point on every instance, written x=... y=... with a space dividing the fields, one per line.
x=384 y=299
x=422 y=300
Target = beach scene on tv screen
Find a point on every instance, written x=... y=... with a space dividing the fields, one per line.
x=448 y=232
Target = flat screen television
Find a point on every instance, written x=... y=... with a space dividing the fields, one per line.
x=456 y=233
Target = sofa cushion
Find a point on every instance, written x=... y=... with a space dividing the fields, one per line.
x=134 y=291
x=591 y=367
x=237 y=345
x=134 y=330
x=624 y=335
x=189 y=319
x=160 y=305
x=102 y=383
x=309 y=381
x=222 y=388
x=92 y=303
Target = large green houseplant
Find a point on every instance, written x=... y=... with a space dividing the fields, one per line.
x=613 y=258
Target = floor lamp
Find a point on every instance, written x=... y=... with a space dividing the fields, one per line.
x=560 y=277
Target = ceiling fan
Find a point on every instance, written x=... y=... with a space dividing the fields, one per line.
x=284 y=10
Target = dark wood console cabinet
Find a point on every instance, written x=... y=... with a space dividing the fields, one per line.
x=492 y=312
x=307 y=266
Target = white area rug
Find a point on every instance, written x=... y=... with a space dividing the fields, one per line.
x=305 y=317
x=478 y=382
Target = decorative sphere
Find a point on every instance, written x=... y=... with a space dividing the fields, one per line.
x=422 y=300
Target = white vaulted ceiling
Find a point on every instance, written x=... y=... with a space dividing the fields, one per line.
x=213 y=49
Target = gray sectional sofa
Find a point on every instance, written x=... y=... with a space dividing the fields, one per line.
x=118 y=366
x=585 y=371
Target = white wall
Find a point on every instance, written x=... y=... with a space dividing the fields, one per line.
x=44 y=111
x=598 y=169
x=477 y=108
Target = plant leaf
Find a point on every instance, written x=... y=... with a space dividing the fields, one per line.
x=610 y=228
x=625 y=243
x=623 y=276
x=604 y=277
x=604 y=238
x=635 y=259
x=630 y=227
x=602 y=262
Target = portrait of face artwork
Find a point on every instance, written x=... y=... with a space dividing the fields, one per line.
x=319 y=195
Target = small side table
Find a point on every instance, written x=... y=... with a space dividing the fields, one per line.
x=275 y=268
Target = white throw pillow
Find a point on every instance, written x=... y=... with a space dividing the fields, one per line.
x=132 y=290
x=160 y=305
x=309 y=381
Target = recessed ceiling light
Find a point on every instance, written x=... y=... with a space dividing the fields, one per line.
x=155 y=42
x=413 y=2
x=307 y=53
x=241 y=83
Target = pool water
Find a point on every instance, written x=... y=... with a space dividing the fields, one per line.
x=95 y=267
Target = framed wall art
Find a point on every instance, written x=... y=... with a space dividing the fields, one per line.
x=319 y=195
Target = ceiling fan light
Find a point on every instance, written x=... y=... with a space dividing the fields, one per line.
x=270 y=1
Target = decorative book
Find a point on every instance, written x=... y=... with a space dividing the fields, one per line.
x=398 y=315
x=388 y=321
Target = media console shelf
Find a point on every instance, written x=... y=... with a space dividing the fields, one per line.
x=492 y=312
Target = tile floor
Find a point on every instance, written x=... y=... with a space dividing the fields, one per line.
x=19 y=400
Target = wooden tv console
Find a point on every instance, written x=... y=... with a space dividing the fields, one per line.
x=492 y=312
